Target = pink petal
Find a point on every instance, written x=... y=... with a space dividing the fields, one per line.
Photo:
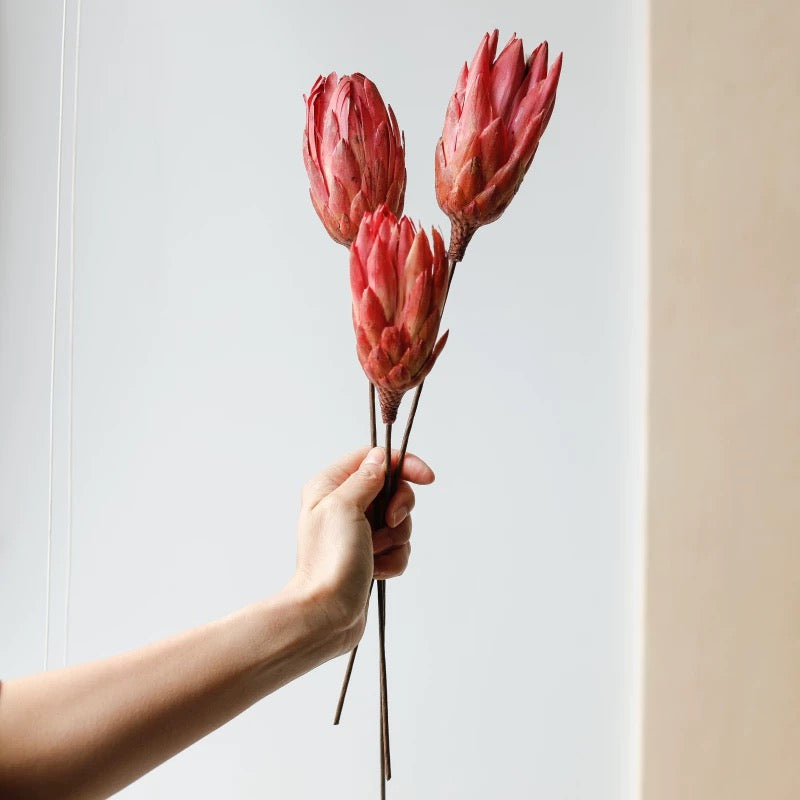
x=538 y=62
x=536 y=69
x=406 y=234
x=392 y=343
x=437 y=351
x=414 y=358
x=364 y=241
x=363 y=345
x=425 y=368
x=316 y=178
x=492 y=148
x=383 y=280
x=461 y=83
x=371 y=317
x=340 y=104
x=358 y=280
x=379 y=364
x=540 y=96
x=416 y=308
x=440 y=344
x=529 y=138
x=450 y=130
x=507 y=75
x=476 y=114
x=397 y=155
x=418 y=261
x=378 y=164
x=444 y=176
x=396 y=195
x=339 y=200
x=358 y=207
x=429 y=329
x=311 y=117
x=483 y=58
x=469 y=180
x=373 y=100
x=399 y=378
x=345 y=168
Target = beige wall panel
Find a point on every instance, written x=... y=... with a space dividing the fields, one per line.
x=722 y=666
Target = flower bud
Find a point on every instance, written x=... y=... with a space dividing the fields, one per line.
x=354 y=153
x=496 y=116
x=399 y=285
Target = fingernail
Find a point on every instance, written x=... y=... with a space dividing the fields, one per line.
x=399 y=515
x=375 y=456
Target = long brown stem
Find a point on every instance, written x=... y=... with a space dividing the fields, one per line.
x=406 y=435
x=387 y=493
x=451 y=271
x=373 y=440
x=383 y=758
x=373 y=424
x=349 y=671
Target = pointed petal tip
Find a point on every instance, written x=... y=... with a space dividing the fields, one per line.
x=437 y=351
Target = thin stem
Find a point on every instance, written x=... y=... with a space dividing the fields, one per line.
x=387 y=482
x=387 y=761
x=406 y=435
x=373 y=440
x=387 y=493
x=349 y=671
x=373 y=425
x=451 y=267
x=383 y=759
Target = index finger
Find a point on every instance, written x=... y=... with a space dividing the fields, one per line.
x=415 y=470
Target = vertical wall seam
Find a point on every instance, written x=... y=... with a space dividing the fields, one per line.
x=71 y=330
x=49 y=568
x=644 y=245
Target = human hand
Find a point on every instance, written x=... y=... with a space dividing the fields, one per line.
x=338 y=554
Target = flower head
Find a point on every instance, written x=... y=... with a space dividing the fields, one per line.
x=354 y=153
x=399 y=286
x=496 y=116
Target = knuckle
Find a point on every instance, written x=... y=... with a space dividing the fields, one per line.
x=402 y=533
x=333 y=505
x=306 y=492
x=371 y=472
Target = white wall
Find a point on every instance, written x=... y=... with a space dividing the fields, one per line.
x=204 y=368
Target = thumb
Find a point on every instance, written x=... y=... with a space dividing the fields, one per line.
x=362 y=487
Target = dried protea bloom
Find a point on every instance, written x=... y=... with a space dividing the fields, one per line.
x=354 y=153
x=399 y=286
x=494 y=121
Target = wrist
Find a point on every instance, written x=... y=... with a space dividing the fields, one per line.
x=326 y=619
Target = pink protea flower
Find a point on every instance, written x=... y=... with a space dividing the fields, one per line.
x=496 y=116
x=354 y=153
x=399 y=287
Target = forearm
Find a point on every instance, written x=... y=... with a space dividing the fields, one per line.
x=86 y=731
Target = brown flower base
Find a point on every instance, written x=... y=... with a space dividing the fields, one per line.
x=460 y=234
x=390 y=402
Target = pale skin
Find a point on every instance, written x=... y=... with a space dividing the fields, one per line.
x=86 y=731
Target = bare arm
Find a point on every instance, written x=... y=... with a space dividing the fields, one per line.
x=89 y=730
